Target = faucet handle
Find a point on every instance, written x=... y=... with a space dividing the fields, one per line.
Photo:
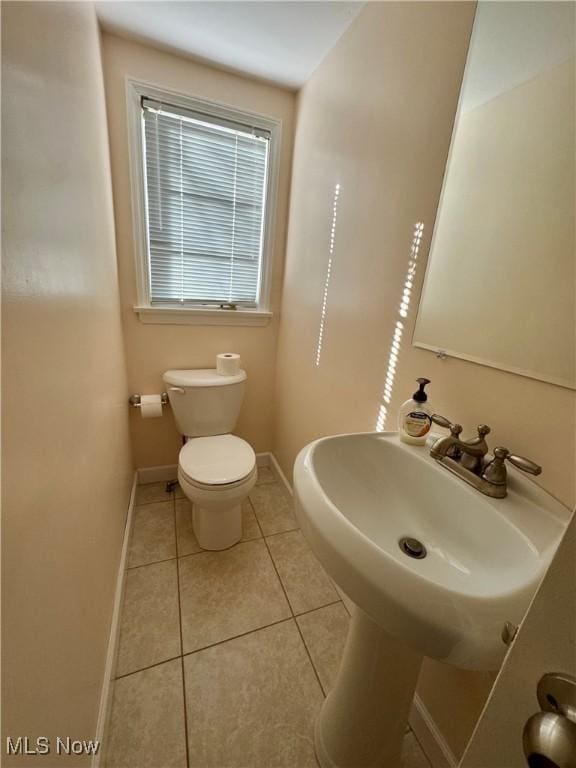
x=442 y=421
x=483 y=430
x=520 y=462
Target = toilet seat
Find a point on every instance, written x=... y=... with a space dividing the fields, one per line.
x=221 y=461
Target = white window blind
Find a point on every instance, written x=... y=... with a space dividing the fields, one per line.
x=206 y=195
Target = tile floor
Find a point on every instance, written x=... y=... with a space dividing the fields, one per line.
x=225 y=657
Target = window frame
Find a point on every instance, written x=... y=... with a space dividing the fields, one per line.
x=203 y=315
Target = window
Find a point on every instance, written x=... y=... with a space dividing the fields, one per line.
x=204 y=191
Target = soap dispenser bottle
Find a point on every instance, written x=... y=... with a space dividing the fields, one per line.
x=415 y=417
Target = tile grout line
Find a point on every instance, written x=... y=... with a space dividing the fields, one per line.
x=236 y=637
x=319 y=608
x=137 y=506
x=340 y=592
x=262 y=536
x=255 y=516
x=410 y=731
x=189 y=554
x=152 y=562
x=150 y=666
x=279 y=533
x=205 y=647
x=324 y=693
x=292 y=530
x=227 y=639
x=181 y=639
x=211 y=551
x=154 y=501
x=276 y=533
x=293 y=614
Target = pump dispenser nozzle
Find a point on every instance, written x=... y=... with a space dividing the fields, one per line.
x=421 y=395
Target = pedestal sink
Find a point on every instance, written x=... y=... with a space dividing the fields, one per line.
x=434 y=567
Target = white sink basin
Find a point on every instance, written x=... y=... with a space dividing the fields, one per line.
x=357 y=495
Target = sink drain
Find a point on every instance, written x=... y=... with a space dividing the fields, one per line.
x=412 y=547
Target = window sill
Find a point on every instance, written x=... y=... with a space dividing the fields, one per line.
x=193 y=316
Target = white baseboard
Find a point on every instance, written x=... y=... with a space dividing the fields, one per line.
x=279 y=474
x=269 y=460
x=110 y=666
x=157 y=474
x=263 y=459
x=433 y=744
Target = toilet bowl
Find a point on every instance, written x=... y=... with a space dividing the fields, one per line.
x=217 y=474
x=216 y=470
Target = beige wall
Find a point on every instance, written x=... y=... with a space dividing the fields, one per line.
x=65 y=451
x=152 y=349
x=376 y=118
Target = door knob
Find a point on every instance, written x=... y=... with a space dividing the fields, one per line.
x=549 y=737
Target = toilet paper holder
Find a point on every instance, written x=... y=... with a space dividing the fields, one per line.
x=136 y=400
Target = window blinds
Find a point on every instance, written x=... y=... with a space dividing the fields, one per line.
x=206 y=188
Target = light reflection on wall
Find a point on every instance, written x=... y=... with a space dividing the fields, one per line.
x=396 y=343
x=328 y=274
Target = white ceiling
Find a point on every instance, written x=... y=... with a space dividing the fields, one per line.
x=278 y=41
x=514 y=42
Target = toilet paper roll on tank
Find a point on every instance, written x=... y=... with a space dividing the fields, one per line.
x=228 y=363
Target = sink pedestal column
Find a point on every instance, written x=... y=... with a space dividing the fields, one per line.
x=363 y=719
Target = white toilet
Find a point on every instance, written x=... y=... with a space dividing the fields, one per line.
x=216 y=470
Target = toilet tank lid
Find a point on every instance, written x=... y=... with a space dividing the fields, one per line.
x=202 y=377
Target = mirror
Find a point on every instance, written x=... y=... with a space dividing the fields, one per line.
x=500 y=284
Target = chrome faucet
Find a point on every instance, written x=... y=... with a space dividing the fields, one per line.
x=469 y=453
x=467 y=459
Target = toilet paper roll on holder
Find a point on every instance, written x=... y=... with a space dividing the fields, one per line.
x=136 y=400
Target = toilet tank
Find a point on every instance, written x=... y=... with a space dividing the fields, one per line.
x=203 y=401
